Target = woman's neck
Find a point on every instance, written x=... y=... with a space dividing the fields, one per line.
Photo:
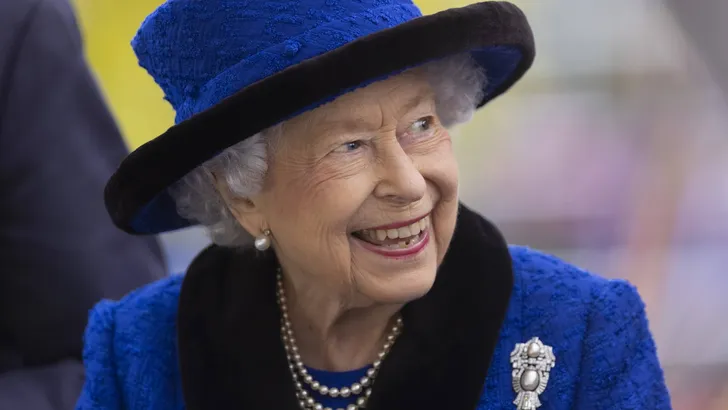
x=331 y=334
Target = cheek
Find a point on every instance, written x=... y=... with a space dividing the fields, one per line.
x=309 y=213
x=446 y=178
x=332 y=187
x=335 y=193
x=440 y=169
x=444 y=218
x=310 y=233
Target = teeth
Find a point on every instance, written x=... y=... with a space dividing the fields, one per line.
x=380 y=234
x=403 y=232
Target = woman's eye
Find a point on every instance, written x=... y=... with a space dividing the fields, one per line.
x=349 y=146
x=421 y=125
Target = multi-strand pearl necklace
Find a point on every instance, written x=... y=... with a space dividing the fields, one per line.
x=362 y=388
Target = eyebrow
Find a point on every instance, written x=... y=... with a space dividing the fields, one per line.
x=413 y=102
x=360 y=122
x=350 y=124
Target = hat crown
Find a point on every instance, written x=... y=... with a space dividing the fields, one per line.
x=187 y=44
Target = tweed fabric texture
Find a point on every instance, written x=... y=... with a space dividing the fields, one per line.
x=605 y=355
x=200 y=52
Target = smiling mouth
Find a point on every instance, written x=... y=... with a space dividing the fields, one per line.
x=396 y=238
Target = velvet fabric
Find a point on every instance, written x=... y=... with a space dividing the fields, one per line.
x=211 y=339
x=233 y=68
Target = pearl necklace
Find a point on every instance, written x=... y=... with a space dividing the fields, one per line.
x=300 y=375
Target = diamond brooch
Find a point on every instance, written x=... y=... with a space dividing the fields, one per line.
x=532 y=361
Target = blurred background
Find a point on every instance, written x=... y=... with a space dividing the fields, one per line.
x=612 y=153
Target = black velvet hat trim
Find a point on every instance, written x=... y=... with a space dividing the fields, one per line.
x=231 y=354
x=136 y=195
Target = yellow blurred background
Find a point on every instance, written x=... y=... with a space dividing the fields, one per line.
x=612 y=154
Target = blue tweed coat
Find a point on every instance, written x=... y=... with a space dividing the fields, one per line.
x=209 y=340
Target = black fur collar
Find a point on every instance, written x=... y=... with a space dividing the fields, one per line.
x=231 y=355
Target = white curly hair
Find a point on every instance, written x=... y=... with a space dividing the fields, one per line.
x=457 y=81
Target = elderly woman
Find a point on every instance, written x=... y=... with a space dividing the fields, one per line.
x=320 y=128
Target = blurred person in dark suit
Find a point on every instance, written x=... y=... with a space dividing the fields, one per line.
x=59 y=252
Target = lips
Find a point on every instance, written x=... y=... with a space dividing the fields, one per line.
x=401 y=237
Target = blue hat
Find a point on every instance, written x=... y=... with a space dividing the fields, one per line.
x=232 y=68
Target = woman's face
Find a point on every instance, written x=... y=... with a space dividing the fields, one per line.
x=361 y=193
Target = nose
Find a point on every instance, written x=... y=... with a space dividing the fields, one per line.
x=400 y=181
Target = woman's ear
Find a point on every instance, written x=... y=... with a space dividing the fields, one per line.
x=245 y=210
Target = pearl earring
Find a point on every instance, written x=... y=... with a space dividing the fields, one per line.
x=262 y=242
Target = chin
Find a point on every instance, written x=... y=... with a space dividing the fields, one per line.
x=397 y=278
x=401 y=289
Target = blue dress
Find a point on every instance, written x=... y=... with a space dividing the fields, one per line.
x=210 y=339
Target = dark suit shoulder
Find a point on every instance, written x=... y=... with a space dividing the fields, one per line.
x=18 y=17
x=16 y=12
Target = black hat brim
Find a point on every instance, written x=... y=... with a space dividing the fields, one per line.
x=496 y=33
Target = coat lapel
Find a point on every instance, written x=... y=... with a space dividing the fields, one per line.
x=231 y=355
